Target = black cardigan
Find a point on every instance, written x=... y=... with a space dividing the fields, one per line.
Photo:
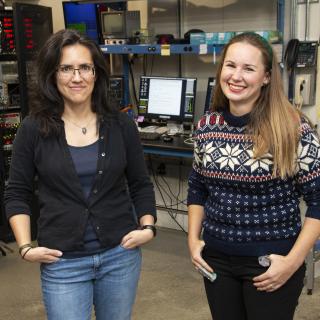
x=64 y=211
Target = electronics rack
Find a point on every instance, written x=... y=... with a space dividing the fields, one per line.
x=23 y=30
x=9 y=87
x=9 y=90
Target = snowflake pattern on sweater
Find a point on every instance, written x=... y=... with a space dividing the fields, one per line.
x=245 y=205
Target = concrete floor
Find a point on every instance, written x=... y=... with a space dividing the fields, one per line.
x=169 y=289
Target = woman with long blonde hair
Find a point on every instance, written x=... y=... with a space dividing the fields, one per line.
x=255 y=155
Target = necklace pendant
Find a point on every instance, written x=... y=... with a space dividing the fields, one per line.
x=84 y=130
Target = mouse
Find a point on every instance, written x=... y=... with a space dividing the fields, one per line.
x=167 y=138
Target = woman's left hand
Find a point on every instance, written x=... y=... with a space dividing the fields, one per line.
x=136 y=238
x=280 y=270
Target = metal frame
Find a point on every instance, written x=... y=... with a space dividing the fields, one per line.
x=179 y=49
x=154 y=49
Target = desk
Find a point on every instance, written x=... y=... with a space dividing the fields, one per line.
x=174 y=148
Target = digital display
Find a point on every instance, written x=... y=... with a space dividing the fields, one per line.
x=7 y=45
x=28 y=33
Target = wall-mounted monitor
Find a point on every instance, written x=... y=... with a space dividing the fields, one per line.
x=167 y=98
x=81 y=17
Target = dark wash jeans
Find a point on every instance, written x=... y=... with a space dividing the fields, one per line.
x=232 y=296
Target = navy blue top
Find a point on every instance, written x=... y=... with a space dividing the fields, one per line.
x=85 y=162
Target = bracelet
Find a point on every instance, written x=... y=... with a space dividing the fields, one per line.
x=29 y=248
x=27 y=245
x=151 y=227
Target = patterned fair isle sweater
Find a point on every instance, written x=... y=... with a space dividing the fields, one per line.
x=247 y=211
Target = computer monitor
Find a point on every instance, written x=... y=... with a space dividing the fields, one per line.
x=119 y=24
x=113 y=24
x=82 y=17
x=210 y=89
x=167 y=98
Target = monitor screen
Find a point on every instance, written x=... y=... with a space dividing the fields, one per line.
x=209 y=95
x=81 y=17
x=112 y=24
x=167 y=98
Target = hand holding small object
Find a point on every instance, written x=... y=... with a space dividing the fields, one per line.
x=211 y=276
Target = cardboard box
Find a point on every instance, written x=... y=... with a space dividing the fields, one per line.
x=211 y=37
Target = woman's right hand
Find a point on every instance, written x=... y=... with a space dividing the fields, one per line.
x=195 y=248
x=41 y=254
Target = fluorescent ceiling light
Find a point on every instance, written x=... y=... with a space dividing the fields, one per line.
x=216 y=4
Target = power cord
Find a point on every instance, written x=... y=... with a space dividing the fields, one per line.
x=152 y=61
x=132 y=80
x=298 y=98
x=168 y=209
x=174 y=197
x=189 y=140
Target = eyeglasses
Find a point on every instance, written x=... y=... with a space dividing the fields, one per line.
x=86 y=71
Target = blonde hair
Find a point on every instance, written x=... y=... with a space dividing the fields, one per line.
x=274 y=122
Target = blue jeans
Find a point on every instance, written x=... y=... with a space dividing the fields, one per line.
x=107 y=280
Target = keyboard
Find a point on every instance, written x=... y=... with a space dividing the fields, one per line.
x=152 y=132
x=149 y=135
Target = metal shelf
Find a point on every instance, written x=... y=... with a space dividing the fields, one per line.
x=9 y=108
x=8 y=57
x=158 y=49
